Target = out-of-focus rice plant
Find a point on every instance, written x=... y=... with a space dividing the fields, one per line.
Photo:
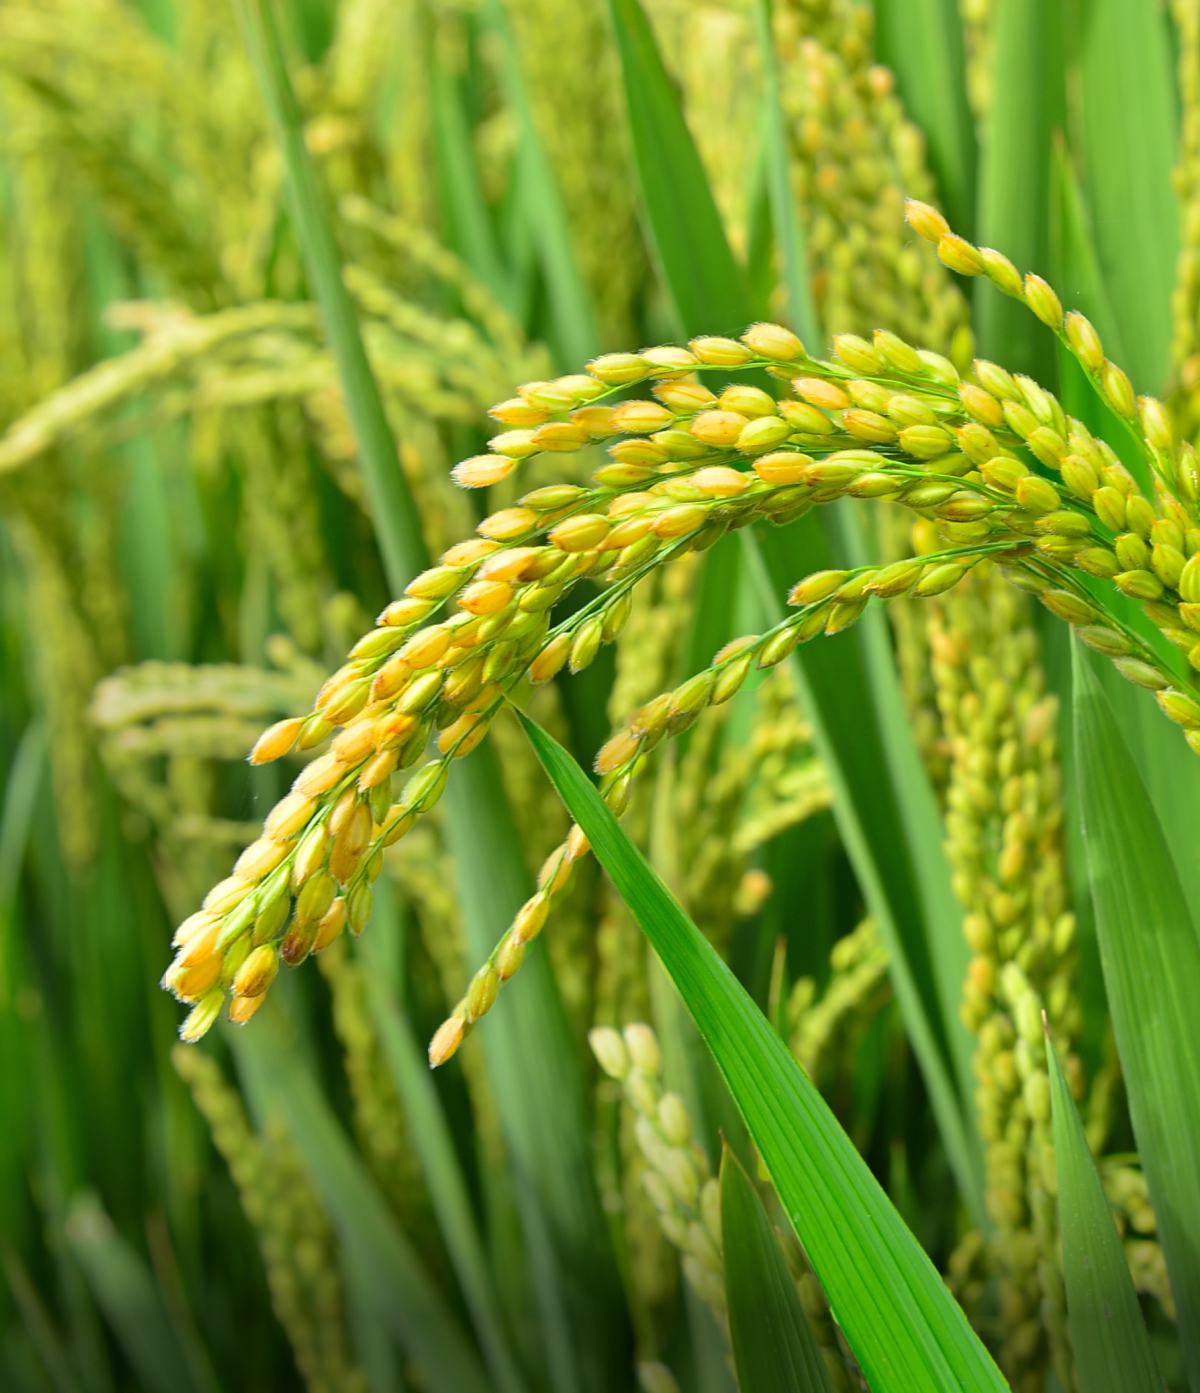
x=874 y=823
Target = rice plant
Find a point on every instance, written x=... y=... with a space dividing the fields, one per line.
x=751 y=858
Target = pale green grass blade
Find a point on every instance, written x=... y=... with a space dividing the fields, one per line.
x=124 y=1289
x=919 y=818
x=880 y=823
x=904 y=1327
x=573 y=323
x=1014 y=176
x=276 y=1080
x=39 y=1328
x=375 y=1352
x=789 y=231
x=921 y=41
x=1169 y=769
x=1108 y=1334
x=21 y=785
x=1150 y=951
x=773 y=1345
x=705 y=282
x=433 y=1143
x=397 y=523
x=535 y=1073
x=1130 y=145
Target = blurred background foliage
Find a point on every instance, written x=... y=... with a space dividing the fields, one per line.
x=184 y=556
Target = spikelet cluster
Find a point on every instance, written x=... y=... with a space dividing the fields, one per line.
x=678 y=1178
x=827 y=1031
x=882 y=420
x=1129 y=1197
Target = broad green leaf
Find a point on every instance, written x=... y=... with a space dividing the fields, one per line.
x=277 y=1080
x=1014 y=176
x=919 y=816
x=433 y=1143
x=535 y=1072
x=921 y=41
x=1150 y=952
x=705 y=282
x=904 y=1327
x=802 y=310
x=1108 y=1334
x=891 y=833
x=397 y=523
x=1130 y=145
x=773 y=1345
x=126 y=1292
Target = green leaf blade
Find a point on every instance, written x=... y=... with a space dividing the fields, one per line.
x=705 y=282
x=1108 y=1335
x=1014 y=180
x=921 y=41
x=1130 y=145
x=1150 y=954
x=434 y=1145
x=789 y=230
x=773 y=1345
x=407 y=1299
x=890 y=830
x=905 y=1328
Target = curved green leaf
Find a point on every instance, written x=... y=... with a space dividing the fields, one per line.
x=773 y=1346
x=903 y=1325
x=888 y=823
x=1108 y=1335
x=1150 y=953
